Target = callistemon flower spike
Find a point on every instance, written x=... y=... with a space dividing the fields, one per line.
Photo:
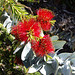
x=34 y=30
x=27 y=30
x=42 y=47
x=44 y=18
x=45 y=14
x=19 y=31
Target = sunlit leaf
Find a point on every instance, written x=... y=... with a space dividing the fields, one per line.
x=35 y=68
x=25 y=51
x=66 y=69
x=58 y=44
x=19 y=47
x=54 y=38
x=52 y=22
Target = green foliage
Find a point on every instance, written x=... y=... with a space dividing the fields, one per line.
x=54 y=38
x=6 y=57
x=52 y=22
x=4 y=34
x=57 y=43
x=32 y=1
x=1 y=8
x=18 y=11
x=5 y=49
x=14 y=8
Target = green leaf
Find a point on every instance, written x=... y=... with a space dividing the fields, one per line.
x=33 y=1
x=19 y=11
x=19 y=47
x=66 y=69
x=52 y=22
x=64 y=56
x=1 y=25
x=11 y=38
x=54 y=38
x=48 y=69
x=0 y=42
x=35 y=68
x=58 y=44
x=25 y=51
x=72 y=56
x=48 y=57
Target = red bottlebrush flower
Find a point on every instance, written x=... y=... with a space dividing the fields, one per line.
x=46 y=25
x=45 y=14
x=42 y=47
x=19 y=31
x=18 y=61
x=44 y=17
x=29 y=29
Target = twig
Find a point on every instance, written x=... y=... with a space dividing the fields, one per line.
x=18 y=3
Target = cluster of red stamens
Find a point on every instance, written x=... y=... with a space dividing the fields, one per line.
x=44 y=17
x=30 y=30
x=43 y=47
x=26 y=30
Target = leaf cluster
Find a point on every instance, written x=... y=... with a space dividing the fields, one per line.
x=31 y=0
x=13 y=8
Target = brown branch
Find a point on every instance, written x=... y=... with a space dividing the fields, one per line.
x=18 y=3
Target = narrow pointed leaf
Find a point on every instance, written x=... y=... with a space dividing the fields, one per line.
x=19 y=47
